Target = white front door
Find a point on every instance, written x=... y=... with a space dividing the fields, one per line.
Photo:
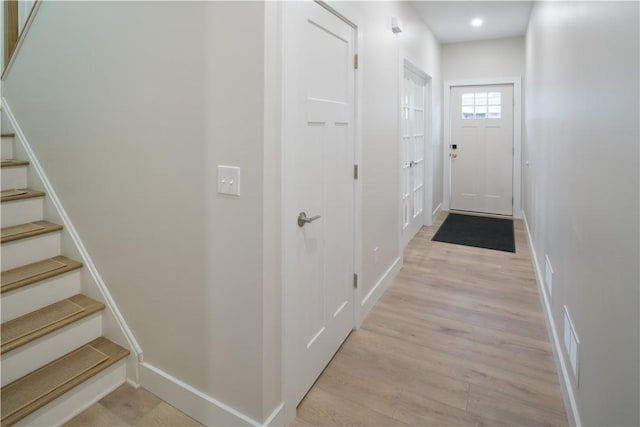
x=413 y=140
x=481 y=149
x=319 y=170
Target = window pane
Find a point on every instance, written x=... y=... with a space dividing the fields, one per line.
x=481 y=112
x=494 y=112
x=481 y=98
x=467 y=112
x=467 y=99
x=494 y=98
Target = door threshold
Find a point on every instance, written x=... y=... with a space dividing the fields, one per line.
x=488 y=215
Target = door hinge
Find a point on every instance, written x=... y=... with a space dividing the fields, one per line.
x=355 y=61
x=355 y=281
x=355 y=171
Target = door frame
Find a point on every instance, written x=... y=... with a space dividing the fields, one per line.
x=406 y=61
x=287 y=204
x=517 y=136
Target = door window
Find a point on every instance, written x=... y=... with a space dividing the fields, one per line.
x=481 y=105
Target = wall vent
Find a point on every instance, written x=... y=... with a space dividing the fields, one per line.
x=571 y=344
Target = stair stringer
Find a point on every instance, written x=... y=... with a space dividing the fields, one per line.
x=93 y=285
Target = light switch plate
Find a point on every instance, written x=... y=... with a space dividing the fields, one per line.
x=229 y=180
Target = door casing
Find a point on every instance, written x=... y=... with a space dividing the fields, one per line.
x=406 y=61
x=517 y=136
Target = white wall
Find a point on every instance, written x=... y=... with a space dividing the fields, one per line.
x=483 y=59
x=380 y=53
x=582 y=189
x=129 y=107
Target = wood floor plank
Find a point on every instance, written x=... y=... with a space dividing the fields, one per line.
x=323 y=408
x=509 y=409
x=375 y=394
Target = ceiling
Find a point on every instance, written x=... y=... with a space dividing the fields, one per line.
x=450 y=21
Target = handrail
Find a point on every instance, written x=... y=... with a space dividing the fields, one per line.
x=10 y=28
x=14 y=36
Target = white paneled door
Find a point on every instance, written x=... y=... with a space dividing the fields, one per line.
x=319 y=170
x=413 y=143
x=481 y=149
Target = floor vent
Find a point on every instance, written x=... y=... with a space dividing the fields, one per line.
x=571 y=344
x=548 y=275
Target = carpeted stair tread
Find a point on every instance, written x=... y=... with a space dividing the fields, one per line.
x=29 y=229
x=19 y=194
x=31 y=392
x=35 y=272
x=9 y=163
x=31 y=326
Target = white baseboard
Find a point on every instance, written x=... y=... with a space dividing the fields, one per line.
x=563 y=372
x=198 y=405
x=378 y=290
x=436 y=211
x=276 y=419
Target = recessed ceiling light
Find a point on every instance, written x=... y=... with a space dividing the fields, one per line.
x=476 y=22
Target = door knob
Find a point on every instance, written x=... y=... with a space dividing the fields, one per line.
x=303 y=219
x=453 y=155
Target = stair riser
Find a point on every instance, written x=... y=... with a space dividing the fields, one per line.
x=14 y=177
x=6 y=149
x=25 y=251
x=40 y=294
x=81 y=397
x=30 y=357
x=22 y=211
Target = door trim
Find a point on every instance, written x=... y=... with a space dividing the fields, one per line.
x=517 y=136
x=287 y=204
x=406 y=61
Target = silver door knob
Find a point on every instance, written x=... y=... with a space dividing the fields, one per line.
x=303 y=219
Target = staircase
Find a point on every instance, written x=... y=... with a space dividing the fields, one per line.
x=54 y=359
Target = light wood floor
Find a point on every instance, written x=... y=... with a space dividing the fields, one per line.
x=459 y=339
x=127 y=406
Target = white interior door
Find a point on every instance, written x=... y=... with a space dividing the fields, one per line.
x=413 y=144
x=319 y=130
x=481 y=149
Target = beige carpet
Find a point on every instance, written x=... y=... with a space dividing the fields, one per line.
x=40 y=319
x=20 y=229
x=10 y=277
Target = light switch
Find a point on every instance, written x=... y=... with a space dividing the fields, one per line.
x=229 y=180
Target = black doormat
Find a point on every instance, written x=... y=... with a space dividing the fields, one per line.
x=478 y=231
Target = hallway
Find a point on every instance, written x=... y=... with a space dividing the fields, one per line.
x=458 y=339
